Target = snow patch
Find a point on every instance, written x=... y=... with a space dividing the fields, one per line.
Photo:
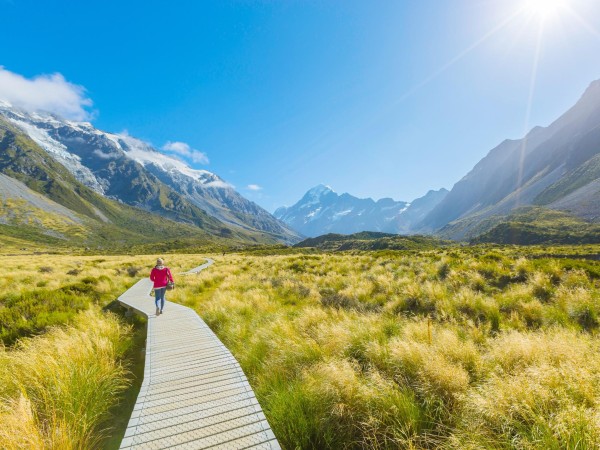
x=314 y=213
x=72 y=162
x=339 y=215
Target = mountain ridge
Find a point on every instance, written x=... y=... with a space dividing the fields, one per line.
x=321 y=211
x=544 y=168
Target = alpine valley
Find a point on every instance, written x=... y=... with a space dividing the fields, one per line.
x=65 y=182
x=544 y=188
x=68 y=183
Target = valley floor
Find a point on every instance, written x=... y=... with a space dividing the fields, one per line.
x=479 y=347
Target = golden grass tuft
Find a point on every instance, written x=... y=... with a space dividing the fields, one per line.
x=57 y=388
x=543 y=392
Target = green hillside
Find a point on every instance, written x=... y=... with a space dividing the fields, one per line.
x=584 y=174
x=368 y=240
x=535 y=225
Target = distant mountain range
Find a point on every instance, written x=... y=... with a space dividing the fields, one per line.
x=554 y=168
x=323 y=211
x=43 y=151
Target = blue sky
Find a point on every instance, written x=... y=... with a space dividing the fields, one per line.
x=375 y=98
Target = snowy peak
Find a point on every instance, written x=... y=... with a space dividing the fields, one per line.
x=316 y=195
x=146 y=155
x=39 y=128
x=322 y=211
x=319 y=191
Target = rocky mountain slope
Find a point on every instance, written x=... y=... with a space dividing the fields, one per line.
x=322 y=211
x=557 y=168
x=42 y=201
x=122 y=168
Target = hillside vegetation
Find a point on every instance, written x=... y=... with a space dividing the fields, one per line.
x=534 y=225
x=370 y=240
x=457 y=348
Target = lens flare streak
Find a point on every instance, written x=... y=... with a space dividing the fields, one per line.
x=532 y=86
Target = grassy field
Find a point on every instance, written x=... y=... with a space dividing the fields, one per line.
x=477 y=347
x=68 y=366
x=456 y=348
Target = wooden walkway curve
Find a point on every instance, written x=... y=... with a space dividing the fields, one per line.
x=194 y=394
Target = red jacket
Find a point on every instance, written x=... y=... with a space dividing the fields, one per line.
x=161 y=277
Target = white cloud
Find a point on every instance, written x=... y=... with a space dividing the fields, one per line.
x=183 y=149
x=102 y=155
x=49 y=93
x=219 y=184
x=254 y=187
x=177 y=147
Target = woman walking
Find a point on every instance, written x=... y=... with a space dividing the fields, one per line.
x=161 y=275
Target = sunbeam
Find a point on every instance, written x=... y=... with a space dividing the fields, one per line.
x=533 y=13
x=459 y=56
x=532 y=86
x=320 y=147
x=583 y=22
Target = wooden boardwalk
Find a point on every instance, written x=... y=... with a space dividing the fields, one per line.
x=194 y=394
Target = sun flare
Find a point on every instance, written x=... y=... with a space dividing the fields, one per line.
x=545 y=8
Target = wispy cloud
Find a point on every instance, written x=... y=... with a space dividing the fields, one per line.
x=100 y=154
x=48 y=93
x=183 y=149
x=254 y=187
x=219 y=184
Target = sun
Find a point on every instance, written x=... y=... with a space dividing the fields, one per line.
x=545 y=8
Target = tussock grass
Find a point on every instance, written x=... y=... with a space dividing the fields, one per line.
x=542 y=391
x=39 y=291
x=438 y=349
x=62 y=361
x=57 y=389
x=454 y=348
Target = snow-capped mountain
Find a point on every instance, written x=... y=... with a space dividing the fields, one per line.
x=323 y=211
x=123 y=168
